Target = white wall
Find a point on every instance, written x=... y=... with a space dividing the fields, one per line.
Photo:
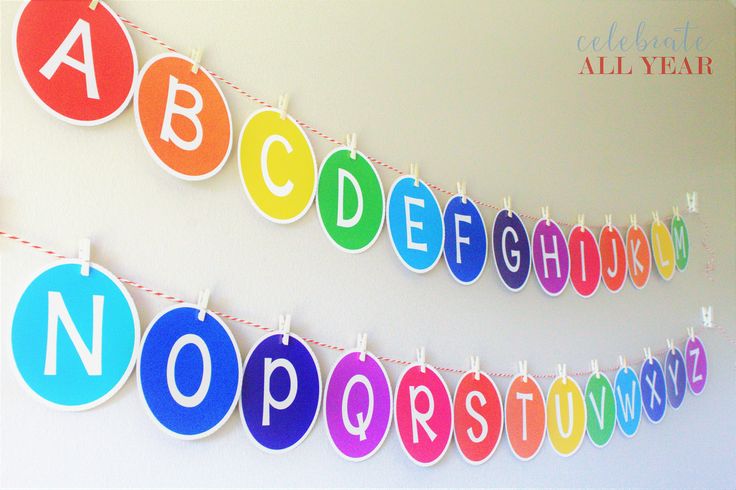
x=484 y=91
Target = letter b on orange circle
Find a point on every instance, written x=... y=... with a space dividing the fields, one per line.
x=183 y=117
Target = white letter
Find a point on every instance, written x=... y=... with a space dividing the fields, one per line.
x=627 y=404
x=61 y=55
x=651 y=383
x=460 y=239
x=417 y=416
x=582 y=259
x=276 y=190
x=695 y=353
x=363 y=421
x=664 y=263
x=673 y=375
x=524 y=397
x=269 y=366
x=514 y=253
x=679 y=240
x=343 y=174
x=167 y=132
x=204 y=384
x=91 y=359
x=564 y=433
x=410 y=244
x=609 y=271
x=634 y=252
x=599 y=412
x=550 y=255
x=476 y=416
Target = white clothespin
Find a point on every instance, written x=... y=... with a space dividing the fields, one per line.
x=545 y=214
x=362 y=345
x=676 y=211
x=283 y=105
x=594 y=368
x=475 y=366
x=562 y=372
x=197 y=59
x=462 y=190
x=581 y=220
x=609 y=221
x=671 y=345
x=623 y=363
x=414 y=170
x=523 y=370
x=691 y=333
x=84 y=255
x=648 y=355
x=352 y=142
x=655 y=216
x=422 y=359
x=707 y=314
x=285 y=328
x=632 y=218
x=507 y=205
x=204 y=298
x=93 y=4
x=692 y=202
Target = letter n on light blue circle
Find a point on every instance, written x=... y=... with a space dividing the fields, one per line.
x=628 y=401
x=466 y=244
x=417 y=240
x=96 y=328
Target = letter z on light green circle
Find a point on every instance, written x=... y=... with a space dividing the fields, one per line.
x=350 y=200
x=600 y=407
x=681 y=242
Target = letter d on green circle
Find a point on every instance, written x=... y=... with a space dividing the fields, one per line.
x=350 y=200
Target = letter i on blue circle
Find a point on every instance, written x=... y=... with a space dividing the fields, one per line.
x=466 y=245
x=653 y=390
x=415 y=224
x=74 y=337
x=675 y=373
x=189 y=372
x=628 y=401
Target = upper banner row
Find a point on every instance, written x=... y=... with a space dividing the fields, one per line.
x=78 y=62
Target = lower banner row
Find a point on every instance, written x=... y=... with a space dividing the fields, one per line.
x=75 y=341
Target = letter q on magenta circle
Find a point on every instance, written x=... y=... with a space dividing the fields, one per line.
x=189 y=372
x=281 y=392
x=415 y=224
x=74 y=338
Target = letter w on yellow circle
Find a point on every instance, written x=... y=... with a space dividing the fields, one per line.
x=277 y=166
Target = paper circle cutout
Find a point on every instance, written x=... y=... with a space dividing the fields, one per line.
x=293 y=406
x=600 y=406
x=676 y=376
x=638 y=256
x=525 y=434
x=696 y=362
x=511 y=250
x=663 y=250
x=465 y=245
x=350 y=218
x=613 y=258
x=77 y=63
x=426 y=395
x=628 y=401
x=358 y=406
x=478 y=417
x=96 y=336
x=653 y=390
x=189 y=372
x=549 y=244
x=277 y=165
x=182 y=117
x=585 y=261
x=565 y=416
x=417 y=239
x=681 y=242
